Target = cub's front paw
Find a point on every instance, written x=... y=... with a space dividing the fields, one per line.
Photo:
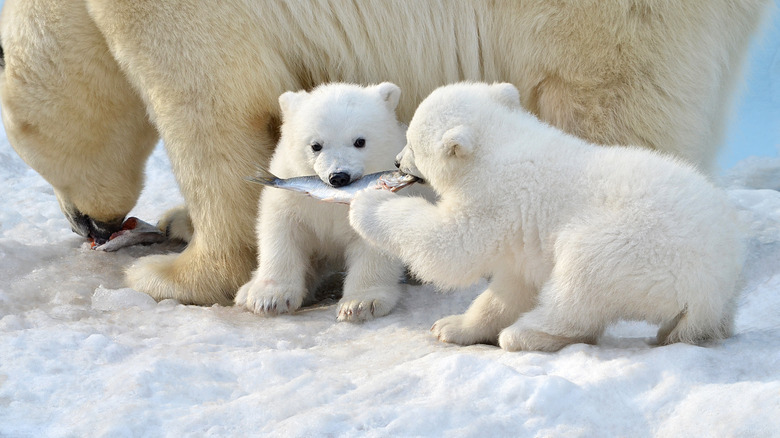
x=267 y=297
x=368 y=305
x=457 y=329
x=363 y=214
x=371 y=198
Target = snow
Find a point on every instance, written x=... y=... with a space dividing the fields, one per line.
x=82 y=355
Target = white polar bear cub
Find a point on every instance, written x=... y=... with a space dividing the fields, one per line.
x=338 y=132
x=575 y=236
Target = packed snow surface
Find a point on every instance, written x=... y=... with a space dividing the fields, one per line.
x=82 y=355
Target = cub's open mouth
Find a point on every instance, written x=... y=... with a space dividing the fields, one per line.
x=417 y=179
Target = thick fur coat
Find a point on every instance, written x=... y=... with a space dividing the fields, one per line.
x=90 y=85
x=574 y=236
x=339 y=132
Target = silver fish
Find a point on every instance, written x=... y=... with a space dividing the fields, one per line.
x=316 y=188
x=134 y=232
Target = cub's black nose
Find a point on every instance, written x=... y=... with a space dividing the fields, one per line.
x=397 y=164
x=339 y=179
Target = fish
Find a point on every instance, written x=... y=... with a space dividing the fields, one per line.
x=313 y=186
x=134 y=232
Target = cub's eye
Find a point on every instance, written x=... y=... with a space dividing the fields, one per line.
x=316 y=147
x=359 y=143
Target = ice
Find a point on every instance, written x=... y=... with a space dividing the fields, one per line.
x=118 y=299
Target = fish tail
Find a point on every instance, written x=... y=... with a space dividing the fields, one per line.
x=263 y=176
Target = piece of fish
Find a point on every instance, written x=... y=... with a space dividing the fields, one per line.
x=316 y=188
x=134 y=232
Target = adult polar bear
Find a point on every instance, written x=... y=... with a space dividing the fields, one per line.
x=89 y=86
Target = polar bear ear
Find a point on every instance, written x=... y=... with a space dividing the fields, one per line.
x=507 y=94
x=390 y=93
x=289 y=101
x=457 y=142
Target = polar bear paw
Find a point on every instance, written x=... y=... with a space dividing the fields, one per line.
x=515 y=338
x=367 y=306
x=457 y=329
x=170 y=276
x=358 y=310
x=177 y=224
x=363 y=212
x=268 y=298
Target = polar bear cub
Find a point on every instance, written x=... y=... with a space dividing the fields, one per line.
x=338 y=132
x=574 y=236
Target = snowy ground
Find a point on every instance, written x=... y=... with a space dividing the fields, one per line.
x=80 y=355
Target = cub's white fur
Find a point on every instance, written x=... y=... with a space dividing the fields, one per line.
x=336 y=131
x=574 y=236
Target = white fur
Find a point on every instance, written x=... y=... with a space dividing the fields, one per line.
x=296 y=231
x=574 y=236
x=90 y=85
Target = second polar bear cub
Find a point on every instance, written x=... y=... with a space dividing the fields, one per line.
x=339 y=132
x=575 y=236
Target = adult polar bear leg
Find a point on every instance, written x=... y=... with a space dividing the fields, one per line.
x=71 y=114
x=507 y=297
x=217 y=117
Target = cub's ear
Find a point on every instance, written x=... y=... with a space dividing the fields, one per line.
x=290 y=100
x=457 y=142
x=390 y=93
x=506 y=94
